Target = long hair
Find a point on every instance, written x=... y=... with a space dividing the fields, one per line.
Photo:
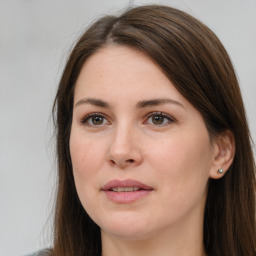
x=195 y=61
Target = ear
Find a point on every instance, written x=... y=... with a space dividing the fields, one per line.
x=223 y=154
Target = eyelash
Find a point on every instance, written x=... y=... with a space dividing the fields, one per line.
x=160 y=114
x=85 y=120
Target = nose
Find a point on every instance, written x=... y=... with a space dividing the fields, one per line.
x=124 y=150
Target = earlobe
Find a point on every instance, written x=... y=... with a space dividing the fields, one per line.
x=224 y=152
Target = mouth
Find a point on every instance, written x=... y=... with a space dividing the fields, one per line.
x=125 y=186
x=126 y=191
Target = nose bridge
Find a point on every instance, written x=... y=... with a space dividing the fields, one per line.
x=123 y=138
x=124 y=149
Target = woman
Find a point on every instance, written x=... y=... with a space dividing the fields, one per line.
x=154 y=151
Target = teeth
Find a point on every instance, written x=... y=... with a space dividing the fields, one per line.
x=127 y=189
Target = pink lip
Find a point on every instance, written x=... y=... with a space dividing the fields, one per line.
x=126 y=197
x=125 y=183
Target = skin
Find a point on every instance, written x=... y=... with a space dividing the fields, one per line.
x=176 y=157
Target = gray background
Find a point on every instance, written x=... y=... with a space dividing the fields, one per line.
x=35 y=39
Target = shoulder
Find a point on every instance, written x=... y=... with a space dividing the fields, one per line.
x=40 y=253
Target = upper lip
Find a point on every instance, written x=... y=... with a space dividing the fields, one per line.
x=124 y=184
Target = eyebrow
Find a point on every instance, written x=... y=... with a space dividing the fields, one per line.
x=140 y=104
x=93 y=101
x=157 y=102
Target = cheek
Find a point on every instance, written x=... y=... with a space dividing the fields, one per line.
x=85 y=154
x=87 y=158
x=184 y=164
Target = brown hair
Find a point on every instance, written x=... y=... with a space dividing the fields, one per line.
x=195 y=61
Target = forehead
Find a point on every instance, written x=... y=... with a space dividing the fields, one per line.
x=120 y=70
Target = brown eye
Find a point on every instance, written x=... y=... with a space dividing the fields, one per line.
x=97 y=120
x=94 y=120
x=158 y=120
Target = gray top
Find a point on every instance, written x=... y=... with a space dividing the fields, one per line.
x=39 y=253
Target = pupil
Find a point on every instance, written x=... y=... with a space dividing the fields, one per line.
x=97 y=120
x=158 y=119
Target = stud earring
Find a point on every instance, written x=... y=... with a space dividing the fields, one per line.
x=220 y=171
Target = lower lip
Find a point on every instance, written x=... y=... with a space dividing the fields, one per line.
x=126 y=197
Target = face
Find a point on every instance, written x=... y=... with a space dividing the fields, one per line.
x=141 y=153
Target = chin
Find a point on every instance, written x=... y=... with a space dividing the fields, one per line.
x=127 y=227
x=128 y=235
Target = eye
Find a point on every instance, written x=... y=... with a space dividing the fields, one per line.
x=95 y=119
x=158 y=118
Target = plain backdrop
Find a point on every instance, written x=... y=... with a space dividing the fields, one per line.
x=35 y=39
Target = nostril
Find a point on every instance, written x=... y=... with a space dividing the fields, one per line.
x=121 y=162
